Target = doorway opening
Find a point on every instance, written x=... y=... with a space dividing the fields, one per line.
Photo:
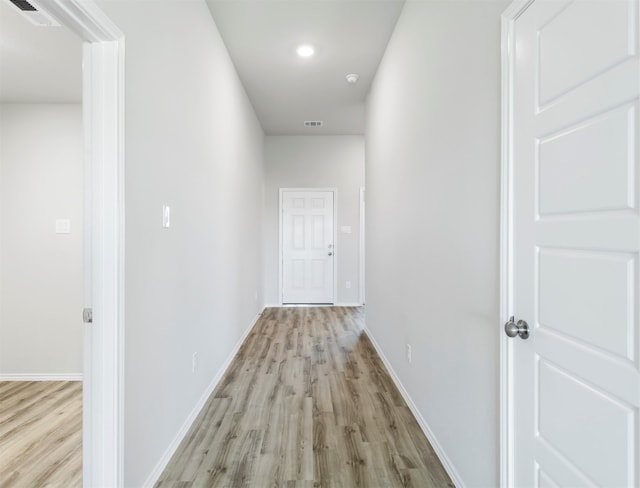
x=103 y=122
x=42 y=248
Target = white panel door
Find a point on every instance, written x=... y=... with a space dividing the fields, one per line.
x=576 y=238
x=307 y=247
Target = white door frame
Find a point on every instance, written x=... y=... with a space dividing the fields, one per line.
x=335 y=239
x=103 y=120
x=362 y=246
x=507 y=441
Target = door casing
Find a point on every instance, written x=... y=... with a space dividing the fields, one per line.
x=103 y=122
x=335 y=238
x=507 y=441
x=362 y=270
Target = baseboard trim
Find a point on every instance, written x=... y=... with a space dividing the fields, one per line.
x=339 y=304
x=41 y=377
x=153 y=478
x=437 y=447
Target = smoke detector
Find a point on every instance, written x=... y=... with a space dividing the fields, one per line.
x=352 y=78
x=33 y=15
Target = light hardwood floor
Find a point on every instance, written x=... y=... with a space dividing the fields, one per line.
x=40 y=434
x=306 y=403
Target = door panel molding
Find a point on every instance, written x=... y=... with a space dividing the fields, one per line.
x=336 y=250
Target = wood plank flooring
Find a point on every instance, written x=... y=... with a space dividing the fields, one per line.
x=306 y=403
x=40 y=434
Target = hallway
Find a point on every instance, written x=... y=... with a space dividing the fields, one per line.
x=306 y=402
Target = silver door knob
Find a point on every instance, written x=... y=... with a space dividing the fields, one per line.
x=330 y=254
x=513 y=329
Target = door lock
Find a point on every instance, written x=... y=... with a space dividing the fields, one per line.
x=513 y=329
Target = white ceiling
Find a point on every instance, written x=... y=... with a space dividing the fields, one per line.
x=37 y=64
x=43 y=64
x=349 y=36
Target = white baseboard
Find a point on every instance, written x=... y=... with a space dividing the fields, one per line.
x=170 y=451
x=41 y=377
x=339 y=304
x=437 y=447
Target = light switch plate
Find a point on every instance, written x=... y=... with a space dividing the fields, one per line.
x=63 y=226
x=345 y=229
x=166 y=216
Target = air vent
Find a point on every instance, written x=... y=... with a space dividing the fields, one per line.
x=313 y=123
x=23 y=5
x=33 y=15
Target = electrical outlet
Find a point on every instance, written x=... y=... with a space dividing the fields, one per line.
x=347 y=285
x=194 y=362
x=409 y=353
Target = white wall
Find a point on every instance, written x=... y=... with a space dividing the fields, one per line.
x=192 y=142
x=315 y=162
x=432 y=145
x=41 y=272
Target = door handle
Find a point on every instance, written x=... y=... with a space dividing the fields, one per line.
x=513 y=329
x=330 y=254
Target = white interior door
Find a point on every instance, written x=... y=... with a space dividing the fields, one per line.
x=575 y=380
x=307 y=247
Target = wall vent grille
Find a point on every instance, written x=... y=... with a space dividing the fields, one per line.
x=313 y=123
x=33 y=15
x=23 y=5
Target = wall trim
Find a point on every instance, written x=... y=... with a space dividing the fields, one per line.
x=424 y=426
x=507 y=439
x=162 y=463
x=362 y=243
x=41 y=377
x=312 y=305
x=103 y=84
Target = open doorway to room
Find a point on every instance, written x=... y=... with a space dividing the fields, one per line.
x=41 y=251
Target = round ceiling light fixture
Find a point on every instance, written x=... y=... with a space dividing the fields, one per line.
x=305 y=50
x=352 y=78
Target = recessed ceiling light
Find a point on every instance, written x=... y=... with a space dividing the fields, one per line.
x=305 y=51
